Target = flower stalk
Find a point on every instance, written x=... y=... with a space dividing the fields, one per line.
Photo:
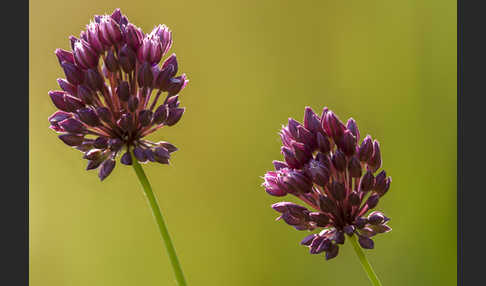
x=164 y=232
x=375 y=281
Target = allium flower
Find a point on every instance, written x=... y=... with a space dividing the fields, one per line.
x=108 y=105
x=328 y=170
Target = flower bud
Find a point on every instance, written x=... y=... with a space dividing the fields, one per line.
x=72 y=125
x=289 y=157
x=57 y=98
x=169 y=146
x=92 y=37
x=349 y=229
x=177 y=84
x=308 y=239
x=373 y=201
x=145 y=117
x=348 y=143
x=354 y=167
x=145 y=75
x=338 y=191
x=279 y=165
x=332 y=125
x=73 y=103
x=174 y=116
x=323 y=143
x=67 y=87
x=88 y=116
x=326 y=204
x=103 y=113
x=367 y=182
x=376 y=218
x=319 y=173
x=126 y=159
x=86 y=94
x=101 y=143
x=115 y=144
x=84 y=55
x=127 y=59
x=110 y=33
x=139 y=154
x=365 y=242
x=311 y=121
x=94 y=80
x=64 y=56
x=366 y=149
x=72 y=139
x=173 y=101
x=306 y=137
x=111 y=62
x=353 y=127
x=106 y=168
x=374 y=163
x=123 y=91
x=73 y=74
x=320 y=219
x=160 y=114
x=133 y=36
x=161 y=155
x=339 y=161
x=125 y=122
x=332 y=252
x=132 y=103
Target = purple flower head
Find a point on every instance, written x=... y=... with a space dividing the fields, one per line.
x=334 y=176
x=109 y=99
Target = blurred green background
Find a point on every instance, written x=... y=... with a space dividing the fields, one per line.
x=252 y=64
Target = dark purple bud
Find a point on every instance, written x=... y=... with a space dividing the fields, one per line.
x=380 y=182
x=127 y=59
x=339 y=161
x=125 y=122
x=150 y=155
x=86 y=94
x=88 y=116
x=323 y=143
x=177 y=84
x=94 y=79
x=365 y=242
x=289 y=157
x=367 y=182
x=85 y=146
x=292 y=126
x=72 y=139
x=311 y=121
x=106 y=168
x=348 y=143
x=282 y=207
x=132 y=103
x=339 y=237
x=306 y=137
x=162 y=80
x=308 y=239
x=325 y=245
x=376 y=218
x=351 y=126
x=315 y=243
x=145 y=117
x=349 y=229
x=374 y=163
x=57 y=98
x=174 y=116
x=326 y=204
x=169 y=146
x=123 y=91
x=332 y=125
x=279 y=165
x=171 y=61
x=92 y=37
x=373 y=201
x=103 y=113
x=115 y=144
x=360 y=222
x=366 y=149
x=126 y=159
x=354 y=199
x=93 y=154
x=64 y=56
x=73 y=74
x=173 y=101
x=332 y=252
x=272 y=185
x=73 y=103
x=93 y=164
x=59 y=116
x=368 y=232
x=145 y=75
x=354 y=167
x=133 y=36
x=116 y=15
x=301 y=153
x=299 y=182
x=320 y=219
x=165 y=37
x=161 y=155
x=101 y=143
x=84 y=55
x=111 y=62
x=110 y=33
x=161 y=113
x=319 y=173
x=72 y=125
x=67 y=87
x=338 y=190
x=139 y=154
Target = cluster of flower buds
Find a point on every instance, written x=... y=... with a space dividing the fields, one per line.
x=109 y=105
x=327 y=169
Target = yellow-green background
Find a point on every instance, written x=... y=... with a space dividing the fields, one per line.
x=252 y=63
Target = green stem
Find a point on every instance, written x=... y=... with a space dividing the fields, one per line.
x=176 y=266
x=364 y=262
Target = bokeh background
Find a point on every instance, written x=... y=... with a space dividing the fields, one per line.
x=252 y=64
